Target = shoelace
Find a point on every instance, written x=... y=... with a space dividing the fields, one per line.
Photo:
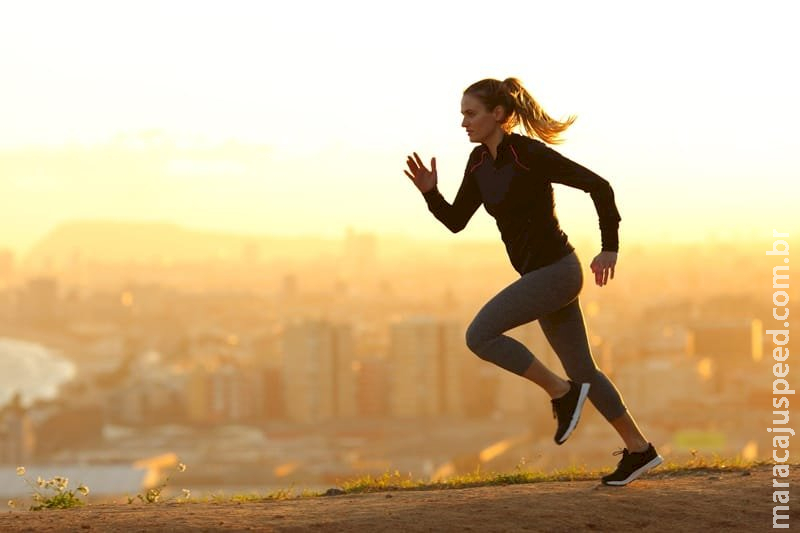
x=623 y=452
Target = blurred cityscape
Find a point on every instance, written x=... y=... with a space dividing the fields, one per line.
x=268 y=363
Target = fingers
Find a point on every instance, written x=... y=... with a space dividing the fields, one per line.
x=416 y=164
x=602 y=275
x=603 y=269
x=417 y=167
x=412 y=165
x=419 y=162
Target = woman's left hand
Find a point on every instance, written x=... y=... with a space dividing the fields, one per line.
x=603 y=265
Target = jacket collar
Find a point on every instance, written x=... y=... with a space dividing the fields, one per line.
x=505 y=142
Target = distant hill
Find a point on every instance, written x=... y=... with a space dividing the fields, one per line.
x=106 y=241
x=111 y=241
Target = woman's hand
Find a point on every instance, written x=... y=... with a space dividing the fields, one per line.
x=424 y=179
x=602 y=265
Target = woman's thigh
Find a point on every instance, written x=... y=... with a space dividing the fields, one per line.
x=534 y=295
x=565 y=331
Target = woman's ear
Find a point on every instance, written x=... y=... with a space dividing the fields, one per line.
x=499 y=114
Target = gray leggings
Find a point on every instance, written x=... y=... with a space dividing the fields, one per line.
x=550 y=295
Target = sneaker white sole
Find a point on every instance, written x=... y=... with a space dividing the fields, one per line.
x=654 y=462
x=577 y=414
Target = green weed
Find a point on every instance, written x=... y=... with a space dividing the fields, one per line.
x=53 y=493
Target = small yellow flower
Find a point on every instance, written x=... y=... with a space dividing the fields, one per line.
x=187 y=493
x=181 y=467
x=20 y=470
x=83 y=489
x=40 y=481
x=12 y=503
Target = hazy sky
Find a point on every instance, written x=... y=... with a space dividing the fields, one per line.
x=296 y=117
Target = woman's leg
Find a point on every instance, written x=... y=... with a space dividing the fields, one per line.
x=566 y=332
x=552 y=383
x=534 y=295
x=529 y=298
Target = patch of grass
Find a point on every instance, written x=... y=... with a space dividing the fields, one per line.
x=394 y=481
x=389 y=482
x=155 y=494
x=699 y=464
x=52 y=493
x=280 y=494
x=397 y=482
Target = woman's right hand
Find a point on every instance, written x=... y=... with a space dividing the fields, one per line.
x=424 y=179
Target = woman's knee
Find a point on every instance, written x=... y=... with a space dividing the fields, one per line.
x=476 y=336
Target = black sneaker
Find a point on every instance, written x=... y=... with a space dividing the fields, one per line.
x=632 y=465
x=567 y=410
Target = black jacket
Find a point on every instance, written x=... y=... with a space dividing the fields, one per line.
x=516 y=189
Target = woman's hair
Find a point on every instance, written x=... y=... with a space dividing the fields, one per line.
x=521 y=108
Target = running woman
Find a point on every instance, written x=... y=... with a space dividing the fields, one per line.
x=512 y=175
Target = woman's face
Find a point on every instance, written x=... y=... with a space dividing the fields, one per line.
x=479 y=122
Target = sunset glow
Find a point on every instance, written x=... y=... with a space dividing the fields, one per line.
x=264 y=119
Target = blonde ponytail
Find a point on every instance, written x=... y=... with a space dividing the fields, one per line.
x=521 y=108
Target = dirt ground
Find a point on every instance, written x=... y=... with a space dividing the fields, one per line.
x=701 y=501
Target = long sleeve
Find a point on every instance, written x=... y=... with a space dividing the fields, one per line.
x=558 y=169
x=455 y=217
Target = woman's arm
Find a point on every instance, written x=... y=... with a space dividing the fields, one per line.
x=468 y=198
x=558 y=169
x=455 y=216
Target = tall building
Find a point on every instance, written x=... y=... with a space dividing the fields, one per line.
x=432 y=372
x=657 y=384
x=17 y=437
x=235 y=392
x=372 y=387
x=319 y=380
x=274 y=395
x=460 y=370
x=728 y=349
x=344 y=367
x=198 y=396
x=414 y=379
x=266 y=349
x=737 y=341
